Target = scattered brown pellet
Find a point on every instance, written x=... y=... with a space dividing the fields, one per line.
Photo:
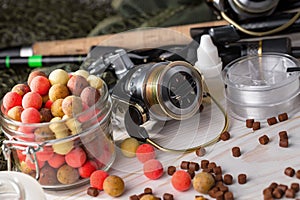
x=218 y=177
x=282 y=187
x=204 y=164
x=148 y=190
x=289 y=171
x=225 y=136
x=295 y=187
x=134 y=197
x=284 y=143
x=268 y=193
x=171 y=170
x=242 y=178
x=219 y=184
x=228 y=179
x=298 y=174
x=264 y=140
x=277 y=193
x=184 y=164
x=200 y=152
x=223 y=188
x=268 y=197
x=219 y=195
x=283 y=135
x=290 y=193
x=271 y=121
x=194 y=166
x=92 y=191
x=212 y=192
x=236 y=152
x=283 y=117
x=191 y=173
x=217 y=170
x=168 y=196
x=228 y=196
x=256 y=126
x=273 y=185
x=249 y=123
x=208 y=170
x=211 y=165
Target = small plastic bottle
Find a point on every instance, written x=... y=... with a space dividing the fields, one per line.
x=210 y=65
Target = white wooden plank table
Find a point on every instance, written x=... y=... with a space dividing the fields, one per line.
x=263 y=164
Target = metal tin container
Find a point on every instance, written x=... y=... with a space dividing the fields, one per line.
x=87 y=135
x=260 y=87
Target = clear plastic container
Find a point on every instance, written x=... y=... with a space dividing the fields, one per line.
x=260 y=87
x=17 y=185
x=61 y=154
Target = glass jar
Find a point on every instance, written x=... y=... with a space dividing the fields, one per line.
x=62 y=154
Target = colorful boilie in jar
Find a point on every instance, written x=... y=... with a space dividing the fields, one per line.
x=58 y=127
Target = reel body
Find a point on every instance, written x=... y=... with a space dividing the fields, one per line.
x=157 y=92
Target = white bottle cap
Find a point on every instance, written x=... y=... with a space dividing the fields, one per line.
x=208 y=61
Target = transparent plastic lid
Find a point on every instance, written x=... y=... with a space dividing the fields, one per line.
x=19 y=186
x=264 y=72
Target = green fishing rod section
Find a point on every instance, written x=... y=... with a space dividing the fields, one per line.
x=37 y=61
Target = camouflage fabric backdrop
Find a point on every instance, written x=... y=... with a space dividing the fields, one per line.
x=23 y=22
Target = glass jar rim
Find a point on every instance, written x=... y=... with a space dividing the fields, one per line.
x=6 y=122
x=18 y=123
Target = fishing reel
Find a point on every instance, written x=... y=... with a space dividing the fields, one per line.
x=250 y=9
x=156 y=91
x=151 y=88
x=251 y=17
x=245 y=9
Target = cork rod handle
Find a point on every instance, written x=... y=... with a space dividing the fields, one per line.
x=135 y=39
